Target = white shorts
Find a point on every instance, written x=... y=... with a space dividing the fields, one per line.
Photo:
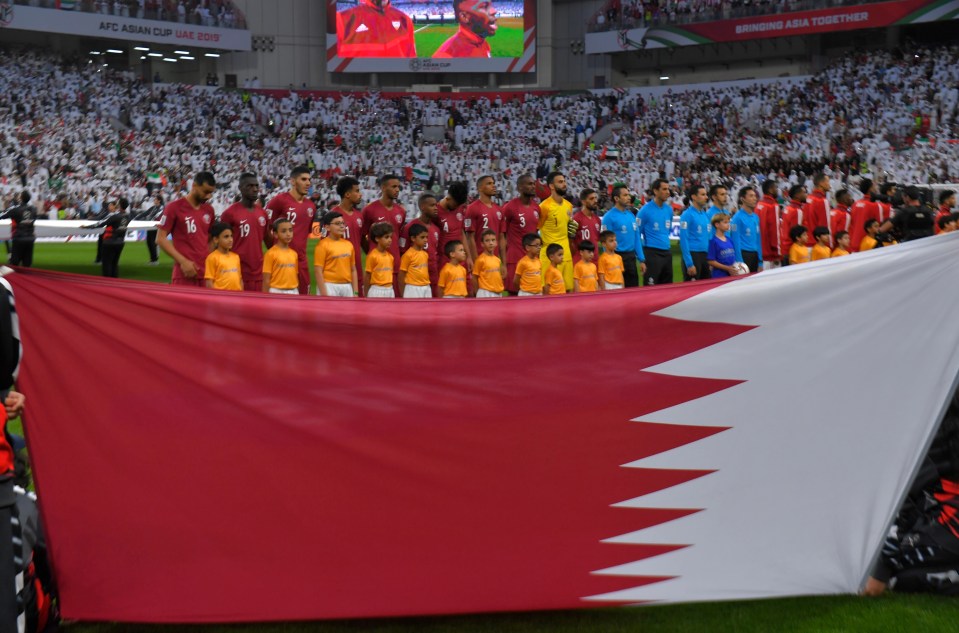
x=417 y=292
x=523 y=293
x=770 y=265
x=381 y=292
x=482 y=293
x=284 y=291
x=452 y=297
x=610 y=286
x=338 y=290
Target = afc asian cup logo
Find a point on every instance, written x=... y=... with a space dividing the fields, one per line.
x=359 y=222
x=459 y=216
x=206 y=218
x=398 y=217
x=261 y=220
x=416 y=65
x=499 y=216
x=6 y=13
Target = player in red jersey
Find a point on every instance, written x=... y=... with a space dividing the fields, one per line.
x=386 y=209
x=861 y=211
x=374 y=29
x=477 y=20
x=348 y=189
x=793 y=215
x=768 y=211
x=947 y=200
x=840 y=218
x=589 y=223
x=520 y=216
x=296 y=207
x=481 y=215
x=428 y=210
x=250 y=233
x=817 y=207
x=451 y=219
x=884 y=202
x=188 y=220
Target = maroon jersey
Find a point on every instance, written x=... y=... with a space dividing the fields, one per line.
x=378 y=212
x=451 y=229
x=589 y=228
x=464 y=43
x=862 y=210
x=480 y=217
x=768 y=211
x=432 y=246
x=301 y=214
x=367 y=30
x=518 y=220
x=840 y=219
x=354 y=234
x=249 y=232
x=190 y=228
x=817 y=214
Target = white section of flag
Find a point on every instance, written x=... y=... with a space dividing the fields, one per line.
x=846 y=377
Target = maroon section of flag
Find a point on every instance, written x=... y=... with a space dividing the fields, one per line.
x=205 y=456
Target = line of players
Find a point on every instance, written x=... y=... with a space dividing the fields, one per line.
x=759 y=230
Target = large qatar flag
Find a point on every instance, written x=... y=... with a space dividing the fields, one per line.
x=205 y=456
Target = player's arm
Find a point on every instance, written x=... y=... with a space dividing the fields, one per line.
x=734 y=236
x=367 y=282
x=209 y=283
x=320 y=282
x=187 y=266
x=502 y=255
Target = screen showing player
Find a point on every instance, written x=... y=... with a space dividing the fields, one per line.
x=491 y=30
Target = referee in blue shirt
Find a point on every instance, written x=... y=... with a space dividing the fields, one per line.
x=745 y=233
x=621 y=220
x=655 y=221
x=695 y=230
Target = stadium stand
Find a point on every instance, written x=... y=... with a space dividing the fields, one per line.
x=94 y=132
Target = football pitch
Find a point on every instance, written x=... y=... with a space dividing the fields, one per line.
x=508 y=41
x=890 y=613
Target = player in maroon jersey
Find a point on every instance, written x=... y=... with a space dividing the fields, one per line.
x=589 y=223
x=428 y=209
x=861 y=211
x=386 y=209
x=768 y=211
x=188 y=220
x=451 y=219
x=250 y=234
x=477 y=21
x=374 y=29
x=296 y=207
x=817 y=211
x=520 y=216
x=481 y=215
x=348 y=189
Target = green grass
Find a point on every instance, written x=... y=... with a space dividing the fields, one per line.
x=508 y=41
x=802 y=615
x=813 y=615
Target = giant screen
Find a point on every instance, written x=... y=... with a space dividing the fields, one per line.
x=431 y=36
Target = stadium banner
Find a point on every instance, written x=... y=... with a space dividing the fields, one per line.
x=250 y=457
x=420 y=36
x=120 y=28
x=860 y=16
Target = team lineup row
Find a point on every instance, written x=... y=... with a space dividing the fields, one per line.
x=453 y=242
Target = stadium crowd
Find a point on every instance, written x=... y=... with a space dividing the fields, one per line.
x=94 y=135
x=630 y=14
x=221 y=13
